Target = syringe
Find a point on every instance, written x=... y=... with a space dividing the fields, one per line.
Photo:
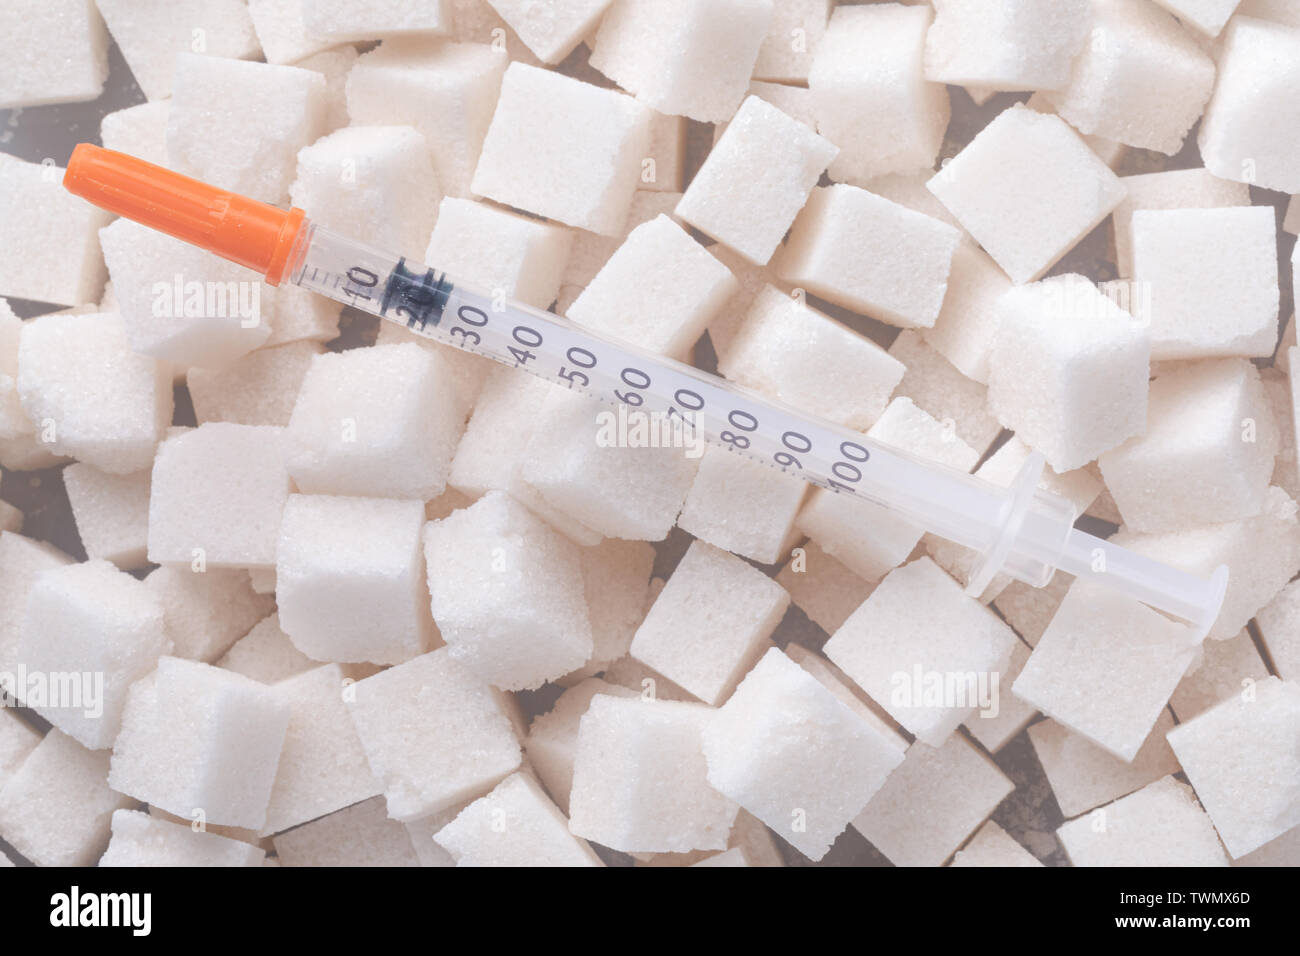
x=1022 y=531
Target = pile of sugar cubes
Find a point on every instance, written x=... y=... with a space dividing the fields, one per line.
x=282 y=585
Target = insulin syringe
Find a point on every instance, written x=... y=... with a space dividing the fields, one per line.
x=1021 y=531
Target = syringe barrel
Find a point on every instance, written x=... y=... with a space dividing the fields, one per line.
x=1021 y=531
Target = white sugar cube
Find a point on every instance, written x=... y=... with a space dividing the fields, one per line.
x=499 y=251
x=218 y=491
x=339 y=20
x=22 y=560
x=591 y=251
x=475 y=21
x=434 y=734
x=349 y=436
x=1211 y=277
x=685 y=57
x=553 y=737
x=101 y=627
x=1262 y=554
x=995 y=729
x=924 y=651
x=795 y=756
x=1279 y=629
x=1206 y=455
x=577 y=464
x=446 y=91
x=55 y=807
x=933 y=802
x=322 y=766
x=639 y=778
x=743 y=506
x=11 y=519
x=630 y=673
x=552 y=30
x=822 y=587
x=335 y=65
x=849 y=693
x=467 y=370
x=1242 y=759
x=375 y=184
x=869 y=538
x=181 y=303
x=198 y=738
x=282 y=32
x=964 y=331
x=708 y=655
x=585 y=177
x=48 y=243
x=1024 y=45
x=349 y=578
x=1225 y=668
x=870 y=94
x=360 y=835
x=298 y=315
x=240 y=125
x=507 y=593
x=1207 y=16
x=658 y=290
x=1286 y=469
x=258 y=389
x=937 y=387
x=494 y=447
x=1284 y=851
x=1249 y=132
x=1141 y=80
x=1105 y=667
x=1159 y=825
x=266 y=654
x=751 y=280
x=1083 y=776
x=1278 y=11
x=514 y=825
x=205 y=613
x=993 y=846
x=58 y=53
x=733 y=857
x=664 y=167
x=88 y=394
x=1060 y=345
x=792 y=38
x=791 y=352
x=755 y=180
x=152 y=32
x=863 y=252
x=262 y=580
x=17 y=739
x=14 y=422
x=616 y=586
x=1174 y=189
x=112 y=513
x=793 y=101
x=1027 y=189
x=143 y=840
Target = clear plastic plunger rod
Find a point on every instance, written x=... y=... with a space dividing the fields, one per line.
x=1024 y=532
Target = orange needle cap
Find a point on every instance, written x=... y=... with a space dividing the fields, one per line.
x=237 y=228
